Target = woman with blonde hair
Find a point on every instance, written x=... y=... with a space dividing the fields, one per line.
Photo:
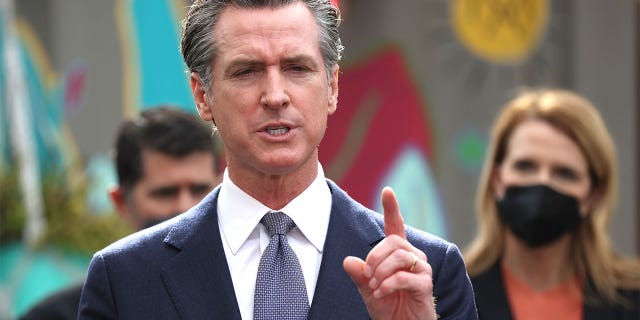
x=545 y=199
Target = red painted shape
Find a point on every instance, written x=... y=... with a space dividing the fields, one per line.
x=399 y=120
x=74 y=89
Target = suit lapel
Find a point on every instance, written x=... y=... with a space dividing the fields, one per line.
x=352 y=232
x=197 y=278
x=490 y=294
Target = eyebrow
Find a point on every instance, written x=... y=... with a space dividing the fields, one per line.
x=301 y=58
x=243 y=62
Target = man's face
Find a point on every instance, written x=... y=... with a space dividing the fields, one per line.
x=168 y=186
x=270 y=96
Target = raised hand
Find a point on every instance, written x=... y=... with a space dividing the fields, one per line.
x=396 y=280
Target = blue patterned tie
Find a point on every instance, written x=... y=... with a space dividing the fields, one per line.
x=281 y=292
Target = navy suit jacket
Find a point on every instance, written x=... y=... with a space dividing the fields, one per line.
x=178 y=269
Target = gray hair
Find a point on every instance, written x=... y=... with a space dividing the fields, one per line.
x=198 y=44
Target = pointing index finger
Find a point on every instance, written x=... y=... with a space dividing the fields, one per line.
x=393 y=221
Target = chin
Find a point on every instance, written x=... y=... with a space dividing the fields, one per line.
x=284 y=165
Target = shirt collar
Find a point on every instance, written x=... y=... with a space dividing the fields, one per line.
x=311 y=210
x=239 y=213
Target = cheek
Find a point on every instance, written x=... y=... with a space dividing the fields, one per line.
x=501 y=179
x=585 y=202
x=510 y=176
x=146 y=204
x=143 y=204
x=154 y=208
x=232 y=104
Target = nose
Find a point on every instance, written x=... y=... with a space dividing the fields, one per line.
x=544 y=177
x=274 y=94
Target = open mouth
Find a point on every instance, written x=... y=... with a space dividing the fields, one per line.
x=277 y=131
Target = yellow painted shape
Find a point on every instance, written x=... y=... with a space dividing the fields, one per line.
x=500 y=31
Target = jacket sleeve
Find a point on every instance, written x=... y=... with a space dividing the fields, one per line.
x=452 y=288
x=96 y=301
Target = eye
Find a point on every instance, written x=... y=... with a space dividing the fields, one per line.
x=164 y=192
x=200 y=189
x=244 y=72
x=298 y=68
x=566 y=173
x=524 y=165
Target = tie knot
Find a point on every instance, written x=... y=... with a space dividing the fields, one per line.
x=277 y=223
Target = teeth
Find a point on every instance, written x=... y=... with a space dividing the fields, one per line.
x=276 y=131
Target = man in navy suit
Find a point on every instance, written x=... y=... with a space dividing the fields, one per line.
x=265 y=73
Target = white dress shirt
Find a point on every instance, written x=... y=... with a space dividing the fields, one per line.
x=244 y=238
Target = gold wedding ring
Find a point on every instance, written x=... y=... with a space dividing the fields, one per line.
x=413 y=264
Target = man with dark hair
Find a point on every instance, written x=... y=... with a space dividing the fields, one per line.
x=166 y=163
x=276 y=240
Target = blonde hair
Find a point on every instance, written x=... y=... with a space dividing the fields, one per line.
x=592 y=253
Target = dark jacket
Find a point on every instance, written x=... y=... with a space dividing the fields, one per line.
x=61 y=305
x=492 y=303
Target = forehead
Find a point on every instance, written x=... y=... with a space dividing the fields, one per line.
x=289 y=29
x=540 y=139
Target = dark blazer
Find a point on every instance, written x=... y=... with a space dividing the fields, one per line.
x=61 y=305
x=178 y=269
x=491 y=299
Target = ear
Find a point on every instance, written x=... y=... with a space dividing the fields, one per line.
x=200 y=97
x=119 y=200
x=333 y=90
x=496 y=182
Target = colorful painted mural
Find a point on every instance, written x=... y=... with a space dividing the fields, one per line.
x=37 y=100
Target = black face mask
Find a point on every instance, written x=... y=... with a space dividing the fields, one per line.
x=538 y=215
